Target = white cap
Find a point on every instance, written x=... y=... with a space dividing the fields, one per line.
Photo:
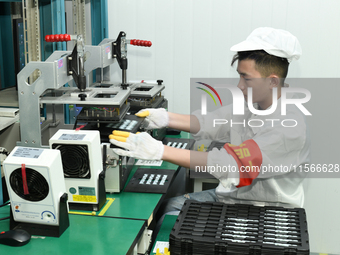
x=275 y=42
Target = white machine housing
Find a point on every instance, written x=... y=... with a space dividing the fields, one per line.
x=48 y=163
x=82 y=190
x=117 y=170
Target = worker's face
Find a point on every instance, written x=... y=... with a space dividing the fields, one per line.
x=251 y=78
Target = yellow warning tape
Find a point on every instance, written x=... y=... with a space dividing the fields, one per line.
x=106 y=206
x=101 y=213
x=83 y=213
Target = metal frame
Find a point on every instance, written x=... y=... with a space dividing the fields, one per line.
x=70 y=96
x=52 y=21
x=44 y=17
x=53 y=75
x=154 y=90
x=7 y=72
x=78 y=13
x=58 y=22
x=99 y=20
x=31 y=18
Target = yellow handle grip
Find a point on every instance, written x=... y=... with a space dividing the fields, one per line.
x=121 y=133
x=143 y=114
x=118 y=138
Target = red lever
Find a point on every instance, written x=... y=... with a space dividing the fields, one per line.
x=24 y=179
x=137 y=42
x=58 y=38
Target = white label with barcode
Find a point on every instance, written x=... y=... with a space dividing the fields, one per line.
x=72 y=137
x=27 y=152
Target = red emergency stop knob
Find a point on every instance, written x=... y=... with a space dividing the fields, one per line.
x=58 y=38
x=137 y=42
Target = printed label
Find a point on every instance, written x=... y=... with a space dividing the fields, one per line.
x=73 y=137
x=27 y=152
x=87 y=191
x=80 y=198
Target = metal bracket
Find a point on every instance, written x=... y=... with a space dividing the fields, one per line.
x=75 y=66
x=120 y=52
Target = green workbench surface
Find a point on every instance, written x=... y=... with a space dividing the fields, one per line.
x=136 y=205
x=165 y=230
x=133 y=205
x=129 y=205
x=125 y=216
x=85 y=235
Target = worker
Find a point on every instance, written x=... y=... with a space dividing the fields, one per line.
x=277 y=150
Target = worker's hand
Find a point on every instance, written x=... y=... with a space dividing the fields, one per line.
x=154 y=118
x=140 y=146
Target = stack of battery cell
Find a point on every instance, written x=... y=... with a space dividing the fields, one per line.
x=218 y=228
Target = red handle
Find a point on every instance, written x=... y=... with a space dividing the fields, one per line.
x=24 y=179
x=58 y=38
x=140 y=43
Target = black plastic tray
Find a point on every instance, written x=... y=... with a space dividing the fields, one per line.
x=135 y=184
x=218 y=228
x=179 y=142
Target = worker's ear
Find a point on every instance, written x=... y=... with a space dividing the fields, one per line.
x=274 y=81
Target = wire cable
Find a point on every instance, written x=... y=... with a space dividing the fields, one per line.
x=5 y=204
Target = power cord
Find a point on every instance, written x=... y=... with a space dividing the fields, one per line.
x=5 y=204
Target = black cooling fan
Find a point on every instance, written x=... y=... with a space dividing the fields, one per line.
x=75 y=160
x=37 y=185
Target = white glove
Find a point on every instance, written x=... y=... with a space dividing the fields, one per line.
x=140 y=146
x=154 y=118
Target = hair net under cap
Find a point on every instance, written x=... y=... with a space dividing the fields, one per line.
x=275 y=42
